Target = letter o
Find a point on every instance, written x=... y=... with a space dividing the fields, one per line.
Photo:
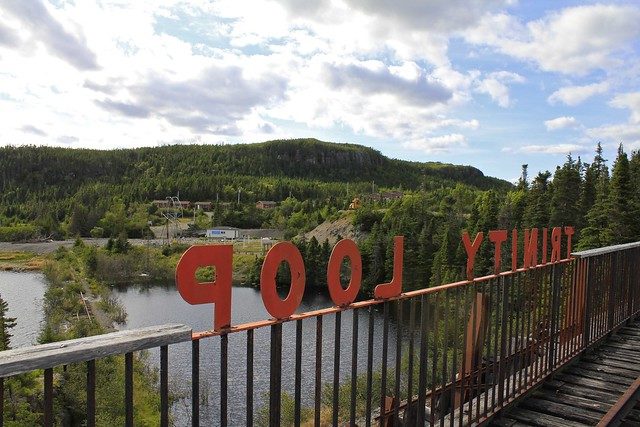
x=344 y=248
x=283 y=251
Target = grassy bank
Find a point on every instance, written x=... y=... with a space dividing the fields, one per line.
x=21 y=261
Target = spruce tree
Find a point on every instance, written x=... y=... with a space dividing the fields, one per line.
x=623 y=214
x=536 y=213
x=596 y=232
x=6 y=324
x=565 y=206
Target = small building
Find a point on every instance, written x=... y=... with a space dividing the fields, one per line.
x=161 y=203
x=223 y=233
x=265 y=204
x=203 y=206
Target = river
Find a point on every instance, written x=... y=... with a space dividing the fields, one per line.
x=158 y=305
x=23 y=293
x=148 y=306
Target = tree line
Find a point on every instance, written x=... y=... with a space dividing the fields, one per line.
x=603 y=206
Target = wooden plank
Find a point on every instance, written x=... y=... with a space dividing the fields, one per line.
x=609 y=370
x=585 y=382
x=507 y=422
x=579 y=402
x=563 y=411
x=630 y=335
x=21 y=360
x=539 y=419
x=615 y=363
x=630 y=331
x=602 y=376
x=622 y=345
x=617 y=353
x=584 y=392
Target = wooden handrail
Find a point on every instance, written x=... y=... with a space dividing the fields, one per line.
x=21 y=360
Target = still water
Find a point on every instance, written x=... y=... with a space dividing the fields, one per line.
x=23 y=292
x=148 y=306
x=160 y=305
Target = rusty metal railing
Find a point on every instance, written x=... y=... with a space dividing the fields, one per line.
x=454 y=354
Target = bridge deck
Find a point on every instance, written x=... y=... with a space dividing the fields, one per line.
x=587 y=390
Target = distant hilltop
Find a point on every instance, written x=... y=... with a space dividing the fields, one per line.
x=189 y=168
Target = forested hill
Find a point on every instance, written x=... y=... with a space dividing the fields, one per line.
x=33 y=169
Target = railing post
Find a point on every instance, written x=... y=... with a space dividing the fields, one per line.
x=555 y=306
x=276 y=375
x=586 y=333
x=502 y=367
x=613 y=288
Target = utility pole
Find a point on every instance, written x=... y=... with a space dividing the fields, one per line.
x=238 y=196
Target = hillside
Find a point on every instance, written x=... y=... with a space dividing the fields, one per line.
x=201 y=171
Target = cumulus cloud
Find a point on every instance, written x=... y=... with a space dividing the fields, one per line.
x=628 y=133
x=436 y=15
x=575 y=40
x=561 y=123
x=574 y=95
x=8 y=36
x=630 y=101
x=438 y=144
x=33 y=130
x=67 y=139
x=379 y=80
x=553 y=149
x=212 y=102
x=35 y=16
x=495 y=85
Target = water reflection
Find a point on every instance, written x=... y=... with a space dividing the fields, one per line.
x=158 y=305
x=23 y=292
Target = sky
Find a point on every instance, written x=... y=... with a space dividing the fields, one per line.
x=489 y=83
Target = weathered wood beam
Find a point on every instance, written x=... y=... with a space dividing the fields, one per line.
x=21 y=360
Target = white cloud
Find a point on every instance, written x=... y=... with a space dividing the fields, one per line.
x=561 y=123
x=630 y=101
x=575 y=40
x=627 y=133
x=495 y=85
x=553 y=149
x=438 y=144
x=46 y=29
x=574 y=95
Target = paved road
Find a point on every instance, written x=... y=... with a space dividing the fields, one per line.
x=50 y=246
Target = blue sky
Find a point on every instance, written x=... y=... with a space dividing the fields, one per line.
x=490 y=83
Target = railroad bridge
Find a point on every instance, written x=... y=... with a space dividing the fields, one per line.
x=553 y=344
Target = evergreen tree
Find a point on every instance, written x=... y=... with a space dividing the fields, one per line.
x=6 y=324
x=623 y=213
x=536 y=213
x=596 y=232
x=565 y=206
x=587 y=194
x=523 y=181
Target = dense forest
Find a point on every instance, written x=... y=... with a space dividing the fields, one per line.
x=603 y=206
x=61 y=192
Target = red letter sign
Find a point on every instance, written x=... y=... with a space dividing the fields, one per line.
x=498 y=237
x=394 y=287
x=472 y=250
x=217 y=292
x=283 y=251
x=339 y=296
